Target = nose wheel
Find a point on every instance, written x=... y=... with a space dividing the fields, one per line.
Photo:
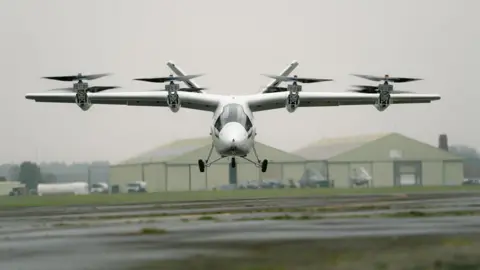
x=201 y=165
x=264 y=165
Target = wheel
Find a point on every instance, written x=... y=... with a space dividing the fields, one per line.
x=201 y=165
x=264 y=165
x=233 y=163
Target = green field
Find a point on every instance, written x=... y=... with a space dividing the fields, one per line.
x=420 y=252
x=103 y=199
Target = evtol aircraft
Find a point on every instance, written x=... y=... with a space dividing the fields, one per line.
x=233 y=131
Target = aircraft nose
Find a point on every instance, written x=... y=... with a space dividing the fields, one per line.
x=233 y=133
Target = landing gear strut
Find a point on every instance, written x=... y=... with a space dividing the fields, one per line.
x=259 y=164
x=202 y=164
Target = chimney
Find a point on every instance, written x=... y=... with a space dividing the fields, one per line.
x=443 y=142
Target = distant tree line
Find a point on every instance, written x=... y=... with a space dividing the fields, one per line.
x=471 y=160
x=31 y=173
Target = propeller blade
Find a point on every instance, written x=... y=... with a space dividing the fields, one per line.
x=77 y=77
x=169 y=78
x=401 y=92
x=369 y=91
x=96 y=89
x=189 y=89
x=186 y=89
x=66 y=89
x=91 y=89
x=373 y=87
x=365 y=91
x=95 y=76
x=387 y=78
x=297 y=79
x=275 y=89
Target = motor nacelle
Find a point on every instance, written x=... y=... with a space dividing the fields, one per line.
x=173 y=100
x=82 y=100
x=384 y=98
x=292 y=102
x=293 y=99
x=81 y=97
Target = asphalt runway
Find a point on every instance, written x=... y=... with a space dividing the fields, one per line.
x=74 y=238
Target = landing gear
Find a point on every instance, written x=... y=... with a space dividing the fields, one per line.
x=264 y=165
x=203 y=164
x=259 y=164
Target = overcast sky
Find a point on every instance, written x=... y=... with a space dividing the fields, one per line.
x=233 y=42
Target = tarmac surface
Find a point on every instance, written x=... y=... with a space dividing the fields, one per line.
x=108 y=237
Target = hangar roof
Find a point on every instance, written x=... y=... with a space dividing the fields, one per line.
x=340 y=148
x=168 y=151
x=175 y=151
x=330 y=147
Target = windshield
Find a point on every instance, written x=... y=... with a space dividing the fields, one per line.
x=233 y=113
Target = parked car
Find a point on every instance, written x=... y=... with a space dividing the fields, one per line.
x=135 y=187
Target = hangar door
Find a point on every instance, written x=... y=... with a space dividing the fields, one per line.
x=407 y=173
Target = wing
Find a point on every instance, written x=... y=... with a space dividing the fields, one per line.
x=195 y=101
x=272 y=101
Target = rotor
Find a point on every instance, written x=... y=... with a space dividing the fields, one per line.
x=387 y=78
x=170 y=78
x=292 y=87
x=296 y=79
x=372 y=89
x=173 y=79
x=80 y=85
x=91 y=89
x=78 y=77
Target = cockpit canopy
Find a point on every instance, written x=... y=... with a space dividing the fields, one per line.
x=233 y=113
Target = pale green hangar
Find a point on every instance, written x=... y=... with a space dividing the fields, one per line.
x=379 y=160
x=174 y=167
x=7 y=186
x=383 y=160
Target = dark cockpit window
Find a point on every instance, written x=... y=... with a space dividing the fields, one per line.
x=233 y=113
x=248 y=124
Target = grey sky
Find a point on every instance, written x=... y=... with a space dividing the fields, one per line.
x=232 y=42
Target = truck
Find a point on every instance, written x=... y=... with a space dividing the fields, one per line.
x=137 y=186
x=99 y=188
x=75 y=188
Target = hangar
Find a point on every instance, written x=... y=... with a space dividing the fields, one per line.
x=174 y=167
x=389 y=159
x=8 y=186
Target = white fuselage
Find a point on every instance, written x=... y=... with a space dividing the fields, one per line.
x=232 y=129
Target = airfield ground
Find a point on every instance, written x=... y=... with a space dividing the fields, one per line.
x=438 y=228
x=118 y=199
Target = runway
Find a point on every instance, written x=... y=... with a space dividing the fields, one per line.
x=74 y=238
